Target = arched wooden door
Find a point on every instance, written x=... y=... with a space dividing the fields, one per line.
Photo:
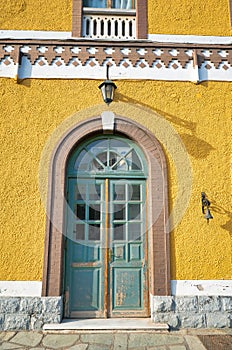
x=106 y=250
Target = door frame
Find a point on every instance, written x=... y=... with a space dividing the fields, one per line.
x=159 y=255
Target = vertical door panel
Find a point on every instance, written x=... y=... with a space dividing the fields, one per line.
x=127 y=291
x=127 y=275
x=84 y=254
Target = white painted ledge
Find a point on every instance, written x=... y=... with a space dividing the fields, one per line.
x=178 y=287
x=201 y=287
x=20 y=288
x=162 y=38
x=34 y=34
x=190 y=39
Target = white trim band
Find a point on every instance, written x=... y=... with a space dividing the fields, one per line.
x=34 y=34
x=20 y=288
x=162 y=38
x=190 y=39
x=201 y=287
x=178 y=287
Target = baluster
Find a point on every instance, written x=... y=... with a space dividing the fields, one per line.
x=123 y=28
x=116 y=28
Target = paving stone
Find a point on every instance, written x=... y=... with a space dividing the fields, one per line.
x=98 y=347
x=6 y=346
x=79 y=347
x=177 y=347
x=120 y=341
x=194 y=343
x=27 y=338
x=2 y=335
x=106 y=339
x=5 y=336
x=148 y=339
x=56 y=341
x=156 y=348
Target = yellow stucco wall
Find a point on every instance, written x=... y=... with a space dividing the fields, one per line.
x=164 y=17
x=200 y=114
x=189 y=17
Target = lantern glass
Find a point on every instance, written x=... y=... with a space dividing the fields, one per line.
x=107 y=89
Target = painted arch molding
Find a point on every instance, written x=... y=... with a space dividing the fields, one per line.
x=158 y=232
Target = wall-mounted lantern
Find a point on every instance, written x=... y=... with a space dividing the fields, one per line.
x=107 y=88
x=206 y=204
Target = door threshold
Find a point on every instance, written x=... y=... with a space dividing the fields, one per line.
x=107 y=324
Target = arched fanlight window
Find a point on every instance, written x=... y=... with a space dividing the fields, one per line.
x=108 y=155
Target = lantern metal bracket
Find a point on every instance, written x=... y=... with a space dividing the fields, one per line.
x=107 y=88
x=205 y=203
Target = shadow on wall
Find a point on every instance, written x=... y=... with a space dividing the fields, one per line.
x=195 y=146
x=222 y=211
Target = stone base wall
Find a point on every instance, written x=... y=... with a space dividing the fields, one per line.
x=192 y=311
x=29 y=313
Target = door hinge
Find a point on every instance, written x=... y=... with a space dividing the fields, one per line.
x=144 y=265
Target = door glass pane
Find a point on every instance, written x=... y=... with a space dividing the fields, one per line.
x=134 y=231
x=98 y=146
x=134 y=192
x=120 y=147
x=80 y=211
x=119 y=212
x=134 y=211
x=94 y=192
x=119 y=232
x=80 y=232
x=113 y=158
x=99 y=163
x=80 y=192
x=82 y=161
x=119 y=192
x=94 y=232
x=94 y=212
x=135 y=163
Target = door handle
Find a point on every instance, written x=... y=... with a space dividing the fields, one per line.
x=110 y=255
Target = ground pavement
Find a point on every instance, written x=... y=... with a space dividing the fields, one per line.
x=118 y=340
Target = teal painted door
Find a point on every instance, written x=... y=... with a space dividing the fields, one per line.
x=106 y=248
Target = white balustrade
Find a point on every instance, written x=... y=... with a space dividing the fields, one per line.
x=109 y=24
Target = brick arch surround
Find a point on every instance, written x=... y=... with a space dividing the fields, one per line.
x=159 y=260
